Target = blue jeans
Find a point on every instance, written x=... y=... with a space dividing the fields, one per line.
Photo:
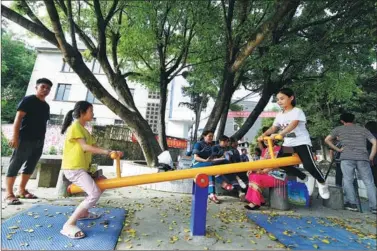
x=365 y=173
x=218 y=178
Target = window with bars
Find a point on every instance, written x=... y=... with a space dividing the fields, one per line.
x=152 y=115
x=97 y=69
x=56 y=119
x=118 y=122
x=91 y=99
x=66 y=67
x=153 y=94
x=62 y=92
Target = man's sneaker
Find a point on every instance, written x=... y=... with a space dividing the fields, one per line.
x=351 y=207
x=373 y=210
x=323 y=190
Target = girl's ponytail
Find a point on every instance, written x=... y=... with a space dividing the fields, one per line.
x=67 y=121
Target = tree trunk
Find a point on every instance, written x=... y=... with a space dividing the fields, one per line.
x=266 y=95
x=223 y=120
x=162 y=110
x=225 y=94
x=133 y=119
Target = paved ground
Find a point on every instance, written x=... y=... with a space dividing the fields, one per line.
x=160 y=220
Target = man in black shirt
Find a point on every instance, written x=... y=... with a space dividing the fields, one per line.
x=29 y=129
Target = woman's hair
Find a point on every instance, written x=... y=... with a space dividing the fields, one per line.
x=289 y=92
x=206 y=132
x=80 y=108
x=371 y=126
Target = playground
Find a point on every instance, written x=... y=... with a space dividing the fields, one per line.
x=137 y=218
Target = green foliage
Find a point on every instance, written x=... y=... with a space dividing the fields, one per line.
x=16 y=67
x=5 y=148
x=236 y=108
x=53 y=150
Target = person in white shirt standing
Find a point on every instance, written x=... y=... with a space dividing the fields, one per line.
x=291 y=124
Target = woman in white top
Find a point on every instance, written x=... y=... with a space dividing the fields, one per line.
x=291 y=124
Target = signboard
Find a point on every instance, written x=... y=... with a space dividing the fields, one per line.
x=172 y=142
x=245 y=114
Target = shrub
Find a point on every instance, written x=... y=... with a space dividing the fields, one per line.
x=6 y=150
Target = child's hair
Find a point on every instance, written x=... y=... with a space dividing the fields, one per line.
x=264 y=129
x=80 y=108
x=289 y=92
x=371 y=126
x=224 y=138
x=347 y=117
x=258 y=151
x=44 y=81
x=232 y=140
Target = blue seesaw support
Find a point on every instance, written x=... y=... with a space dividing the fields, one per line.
x=199 y=205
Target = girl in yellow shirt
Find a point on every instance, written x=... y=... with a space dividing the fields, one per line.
x=79 y=146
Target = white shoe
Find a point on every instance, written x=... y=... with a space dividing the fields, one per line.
x=241 y=183
x=323 y=190
x=304 y=180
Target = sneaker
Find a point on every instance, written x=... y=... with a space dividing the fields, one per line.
x=351 y=207
x=304 y=180
x=241 y=183
x=323 y=190
x=373 y=210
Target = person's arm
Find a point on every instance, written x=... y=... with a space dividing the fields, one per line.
x=16 y=129
x=329 y=141
x=199 y=159
x=331 y=154
x=96 y=150
x=374 y=150
x=270 y=131
x=289 y=128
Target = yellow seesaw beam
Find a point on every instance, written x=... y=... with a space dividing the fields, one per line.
x=191 y=173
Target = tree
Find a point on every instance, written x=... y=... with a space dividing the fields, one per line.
x=246 y=25
x=159 y=44
x=324 y=38
x=101 y=18
x=16 y=67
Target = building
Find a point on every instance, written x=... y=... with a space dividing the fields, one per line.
x=68 y=89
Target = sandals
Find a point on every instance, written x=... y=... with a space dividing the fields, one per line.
x=12 y=200
x=73 y=232
x=227 y=186
x=90 y=216
x=214 y=199
x=27 y=195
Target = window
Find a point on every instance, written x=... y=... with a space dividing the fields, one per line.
x=66 y=67
x=118 y=122
x=96 y=69
x=56 y=119
x=91 y=99
x=62 y=92
x=152 y=115
x=153 y=94
x=132 y=92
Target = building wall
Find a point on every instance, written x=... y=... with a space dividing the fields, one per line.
x=179 y=119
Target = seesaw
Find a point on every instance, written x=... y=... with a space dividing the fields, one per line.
x=201 y=181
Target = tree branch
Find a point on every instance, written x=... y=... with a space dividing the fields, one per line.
x=263 y=31
x=87 y=41
x=29 y=25
x=71 y=24
x=25 y=7
x=111 y=12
